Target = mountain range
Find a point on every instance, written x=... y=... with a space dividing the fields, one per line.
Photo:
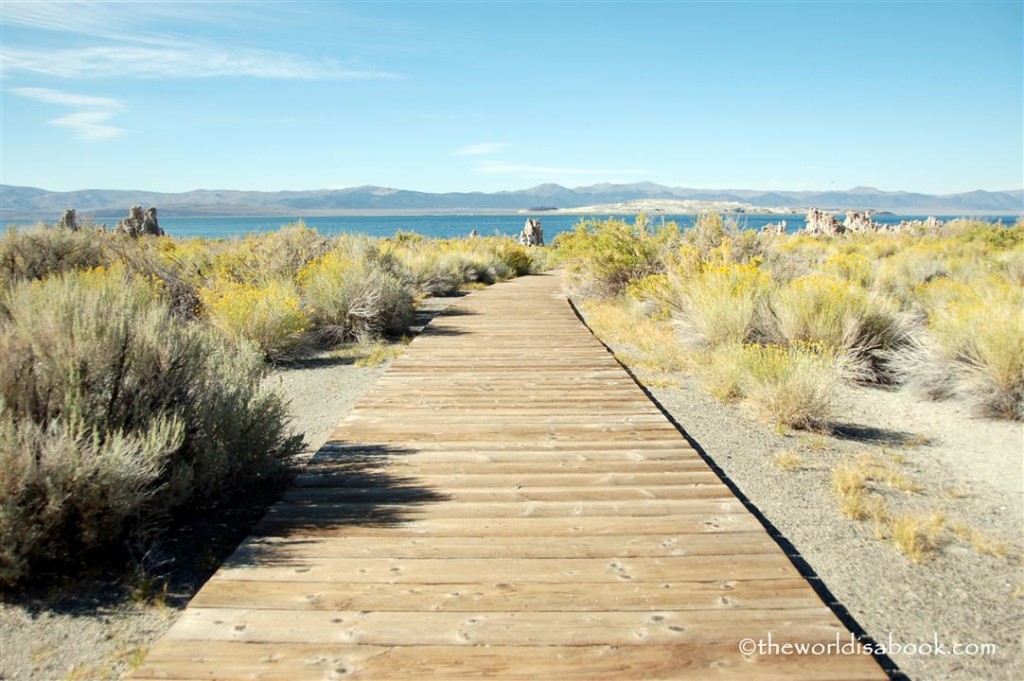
x=21 y=203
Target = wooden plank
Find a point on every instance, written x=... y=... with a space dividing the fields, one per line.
x=438 y=506
x=485 y=546
x=559 y=570
x=229 y=660
x=400 y=526
x=402 y=466
x=474 y=493
x=439 y=628
x=775 y=594
x=687 y=480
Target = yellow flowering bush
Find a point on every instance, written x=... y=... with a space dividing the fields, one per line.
x=269 y=315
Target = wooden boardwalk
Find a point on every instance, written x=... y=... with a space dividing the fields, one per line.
x=505 y=503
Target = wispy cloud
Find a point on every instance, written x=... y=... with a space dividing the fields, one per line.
x=91 y=126
x=481 y=149
x=113 y=42
x=90 y=123
x=521 y=169
x=181 y=61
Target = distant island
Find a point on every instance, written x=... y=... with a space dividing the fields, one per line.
x=28 y=203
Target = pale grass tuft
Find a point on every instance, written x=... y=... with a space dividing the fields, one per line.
x=722 y=372
x=850 y=487
x=957 y=492
x=377 y=353
x=788 y=460
x=816 y=442
x=145 y=588
x=981 y=543
x=856 y=483
x=1019 y=591
x=917 y=440
x=917 y=535
x=644 y=343
x=663 y=381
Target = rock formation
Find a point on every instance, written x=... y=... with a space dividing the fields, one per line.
x=931 y=224
x=68 y=221
x=822 y=222
x=774 y=228
x=860 y=222
x=139 y=223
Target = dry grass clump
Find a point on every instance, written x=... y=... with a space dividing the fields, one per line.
x=981 y=543
x=917 y=535
x=859 y=485
x=792 y=387
x=114 y=414
x=788 y=460
x=642 y=341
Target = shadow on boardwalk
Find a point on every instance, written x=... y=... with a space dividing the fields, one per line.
x=343 y=485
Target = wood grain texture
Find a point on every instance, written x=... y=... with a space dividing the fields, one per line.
x=506 y=503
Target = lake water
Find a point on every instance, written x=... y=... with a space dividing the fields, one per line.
x=446 y=226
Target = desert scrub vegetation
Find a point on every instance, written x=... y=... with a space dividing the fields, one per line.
x=38 y=252
x=131 y=369
x=604 y=257
x=777 y=321
x=114 y=416
x=355 y=298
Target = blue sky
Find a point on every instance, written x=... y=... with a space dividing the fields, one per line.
x=924 y=96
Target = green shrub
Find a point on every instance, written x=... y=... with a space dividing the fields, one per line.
x=975 y=347
x=517 y=258
x=352 y=298
x=719 y=239
x=722 y=371
x=264 y=258
x=269 y=315
x=860 y=329
x=603 y=257
x=115 y=414
x=39 y=252
x=439 y=267
x=790 y=386
x=718 y=304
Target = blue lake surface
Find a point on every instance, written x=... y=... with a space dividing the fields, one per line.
x=446 y=226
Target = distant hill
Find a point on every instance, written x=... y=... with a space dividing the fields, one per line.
x=29 y=203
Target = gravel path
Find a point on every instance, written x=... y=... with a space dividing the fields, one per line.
x=969 y=468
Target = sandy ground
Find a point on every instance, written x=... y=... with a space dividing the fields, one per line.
x=970 y=469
